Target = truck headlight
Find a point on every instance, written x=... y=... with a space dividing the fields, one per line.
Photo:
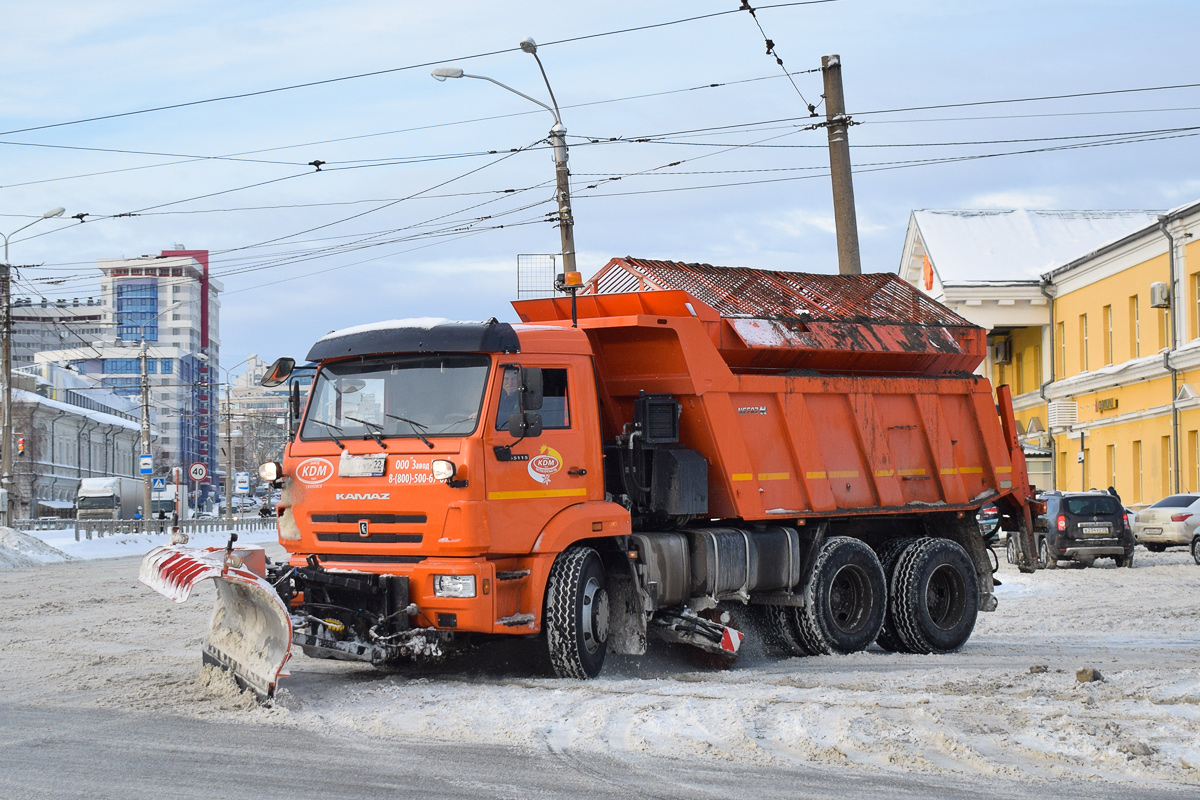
x=454 y=585
x=270 y=471
x=443 y=470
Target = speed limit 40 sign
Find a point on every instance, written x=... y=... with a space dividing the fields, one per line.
x=198 y=471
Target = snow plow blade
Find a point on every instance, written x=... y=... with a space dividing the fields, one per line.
x=251 y=631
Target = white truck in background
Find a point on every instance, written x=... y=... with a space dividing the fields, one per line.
x=162 y=502
x=113 y=497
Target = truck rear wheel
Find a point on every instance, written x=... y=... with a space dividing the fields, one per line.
x=889 y=557
x=845 y=600
x=935 y=597
x=576 y=617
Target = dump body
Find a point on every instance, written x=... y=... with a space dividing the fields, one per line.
x=112 y=497
x=791 y=441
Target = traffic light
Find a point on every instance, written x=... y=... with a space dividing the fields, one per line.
x=20 y=445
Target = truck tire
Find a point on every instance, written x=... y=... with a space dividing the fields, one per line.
x=845 y=601
x=889 y=557
x=935 y=597
x=576 y=616
x=1046 y=555
x=782 y=632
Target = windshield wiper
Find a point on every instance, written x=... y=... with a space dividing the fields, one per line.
x=370 y=426
x=416 y=426
x=331 y=427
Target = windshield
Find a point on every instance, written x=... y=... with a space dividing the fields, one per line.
x=405 y=396
x=95 y=502
x=1176 y=501
x=1093 y=506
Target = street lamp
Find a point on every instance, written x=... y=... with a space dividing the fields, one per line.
x=229 y=435
x=146 y=398
x=6 y=435
x=558 y=142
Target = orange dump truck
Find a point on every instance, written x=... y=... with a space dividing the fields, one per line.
x=677 y=452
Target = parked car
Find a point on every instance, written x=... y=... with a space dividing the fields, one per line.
x=1171 y=522
x=988 y=519
x=1196 y=548
x=1084 y=526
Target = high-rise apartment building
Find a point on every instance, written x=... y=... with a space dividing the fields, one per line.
x=170 y=302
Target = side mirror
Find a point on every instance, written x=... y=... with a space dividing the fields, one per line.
x=279 y=372
x=526 y=425
x=531 y=389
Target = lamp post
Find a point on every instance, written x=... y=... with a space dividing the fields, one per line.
x=558 y=143
x=146 y=399
x=229 y=435
x=6 y=435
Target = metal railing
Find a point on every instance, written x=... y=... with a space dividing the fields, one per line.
x=99 y=528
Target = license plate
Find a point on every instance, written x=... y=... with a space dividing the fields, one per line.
x=361 y=466
x=1095 y=529
x=1152 y=531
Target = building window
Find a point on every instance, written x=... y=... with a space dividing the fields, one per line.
x=1193 y=461
x=1110 y=464
x=1164 y=336
x=176 y=316
x=122 y=366
x=1019 y=372
x=1108 y=342
x=1135 y=328
x=1165 y=465
x=1061 y=333
x=165 y=366
x=1083 y=343
x=1137 y=471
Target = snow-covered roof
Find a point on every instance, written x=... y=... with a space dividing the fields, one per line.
x=1015 y=244
x=22 y=396
x=387 y=325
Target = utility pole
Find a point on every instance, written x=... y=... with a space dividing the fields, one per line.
x=837 y=125
x=228 y=452
x=6 y=443
x=146 y=479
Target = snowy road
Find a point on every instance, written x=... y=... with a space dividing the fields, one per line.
x=85 y=636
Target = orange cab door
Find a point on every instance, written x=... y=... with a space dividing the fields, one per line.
x=547 y=473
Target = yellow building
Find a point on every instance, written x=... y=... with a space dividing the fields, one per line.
x=1124 y=405
x=988 y=266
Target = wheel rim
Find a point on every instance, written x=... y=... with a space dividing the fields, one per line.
x=1011 y=549
x=850 y=599
x=1043 y=552
x=946 y=597
x=595 y=615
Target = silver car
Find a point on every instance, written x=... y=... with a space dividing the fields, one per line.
x=1171 y=522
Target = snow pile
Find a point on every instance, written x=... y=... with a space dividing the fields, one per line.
x=20 y=550
x=129 y=544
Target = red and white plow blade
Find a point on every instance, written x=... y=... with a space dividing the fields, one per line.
x=731 y=640
x=251 y=631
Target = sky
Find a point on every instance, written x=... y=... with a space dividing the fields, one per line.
x=430 y=190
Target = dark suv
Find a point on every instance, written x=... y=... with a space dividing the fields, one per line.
x=1084 y=526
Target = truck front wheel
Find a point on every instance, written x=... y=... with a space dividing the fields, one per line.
x=576 y=617
x=935 y=597
x=845 y=599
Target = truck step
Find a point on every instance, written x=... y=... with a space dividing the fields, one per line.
x=516 y=620
x=512 y=575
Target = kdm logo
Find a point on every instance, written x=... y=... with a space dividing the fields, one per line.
x=314 y=471
x=544 y=464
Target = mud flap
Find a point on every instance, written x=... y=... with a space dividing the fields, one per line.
x=250 y=633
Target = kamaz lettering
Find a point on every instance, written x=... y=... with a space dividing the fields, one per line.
x=371 y=496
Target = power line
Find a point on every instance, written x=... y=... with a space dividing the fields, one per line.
x=1031 y=99
x=771 y=51
x=391 y=70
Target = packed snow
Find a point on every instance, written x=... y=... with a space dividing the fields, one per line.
x=83 y=632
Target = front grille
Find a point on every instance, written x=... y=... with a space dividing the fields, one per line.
x=384 y=519
x=376 y=538
x=324 y=557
